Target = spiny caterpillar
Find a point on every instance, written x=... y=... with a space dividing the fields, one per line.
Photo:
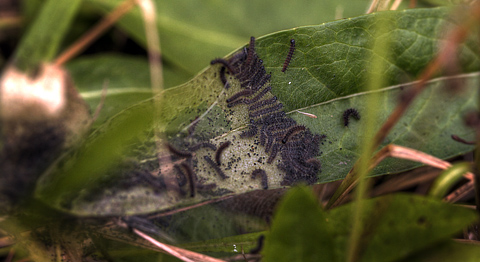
x=224 y=78
x=280 y=135
x=218 y=154
x=289 y=56
x=350 y=112
x=216 y=167
x=263 y=176
x=184 y=170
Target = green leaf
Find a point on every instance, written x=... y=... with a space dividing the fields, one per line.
x=332 y=60
x=207 y=228
x=448 y=178
x=427 y=126
x=127 y=79
x=193 y=33
x=399 y=225
x=449 y=251
x=43 y=38
x=228 y=245
x=395 y=227
x=326 y=76
x=97 y=156
x=300 y=230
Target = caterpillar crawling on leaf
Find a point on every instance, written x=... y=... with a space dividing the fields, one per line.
x=279 y=134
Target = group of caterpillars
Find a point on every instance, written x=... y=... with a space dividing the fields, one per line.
x=277 y=133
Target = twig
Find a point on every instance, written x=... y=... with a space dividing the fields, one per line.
x=307 y=114
x=388 y=151
x=13 y=21
x=10 y=255
x=155 y=63
x=179 y=253
x=459 y=193
x=372 y=7
x=153 y=45
x=95 y=32
x=178 y=210
x=161 y=245
x=6 y=241
x=422 y=175
x=412 y=4
x=395 y=5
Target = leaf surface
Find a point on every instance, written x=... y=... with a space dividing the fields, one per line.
x=399 y=225
x=326 y=76
x=449 y=251
x=194 y=33
x=300 y=230
x=394 y=227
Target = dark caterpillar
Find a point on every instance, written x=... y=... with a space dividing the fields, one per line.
x=268 y=129
x=276 y=148
x=215 y=167
x=202 y=145
x=248 y=101
x=224 y=78
x=262 y=103
x=190 y=177
x=279 y=134
x=263 y=176
x=289 y=56
x=218 y=154
x=252 y=131
x=268 y=110
x=184 y=170
x=239 y=94
x=291 y=131
x=350 y=112
x=181 y=177
x=259 y=246
x=177 y=152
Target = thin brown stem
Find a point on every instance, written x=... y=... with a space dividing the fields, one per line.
x=179 y=253
x=459 y=193
x=412 y=4
x=388 y=151
x=95 y=32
